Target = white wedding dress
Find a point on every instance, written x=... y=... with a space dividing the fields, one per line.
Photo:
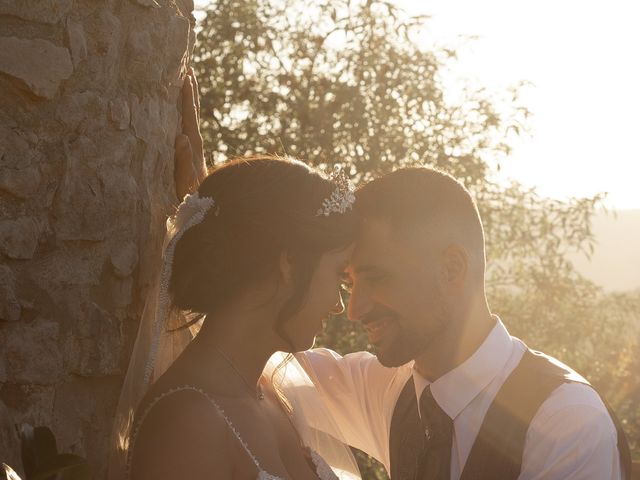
x=323 y=470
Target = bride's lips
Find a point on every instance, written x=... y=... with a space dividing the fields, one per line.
x=378 y=328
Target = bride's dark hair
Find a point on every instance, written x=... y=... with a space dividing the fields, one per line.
x=263 y=206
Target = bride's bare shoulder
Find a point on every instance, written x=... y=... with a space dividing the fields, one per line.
x=181 y=433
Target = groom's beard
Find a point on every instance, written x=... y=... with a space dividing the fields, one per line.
x=410 y=341
x=405 y=347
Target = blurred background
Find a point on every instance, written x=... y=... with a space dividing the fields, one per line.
x=532 y=104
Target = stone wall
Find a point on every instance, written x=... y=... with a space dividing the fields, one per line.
x=89 y=96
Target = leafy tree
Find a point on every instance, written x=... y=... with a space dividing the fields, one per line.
x=344 y=82
x=334 y=82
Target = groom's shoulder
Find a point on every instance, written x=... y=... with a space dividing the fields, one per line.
x=574 y=421
x=575 y=397
x=572 y=414
x=532 y=362
x=574 y=402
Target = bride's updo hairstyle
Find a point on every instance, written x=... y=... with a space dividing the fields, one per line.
x=263 y=206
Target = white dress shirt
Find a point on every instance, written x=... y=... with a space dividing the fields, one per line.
x=571 y=436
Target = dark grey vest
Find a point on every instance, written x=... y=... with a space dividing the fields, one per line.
x=497 y=450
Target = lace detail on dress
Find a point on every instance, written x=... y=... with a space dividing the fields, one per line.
x=323 y=470
x=262 y=475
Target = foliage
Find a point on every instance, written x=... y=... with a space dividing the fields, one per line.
x=337 y=81
x=42 y=461
x=344 y=81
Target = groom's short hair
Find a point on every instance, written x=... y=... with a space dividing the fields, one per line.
x=425 y=196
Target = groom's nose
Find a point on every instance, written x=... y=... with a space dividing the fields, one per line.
x=359 y=304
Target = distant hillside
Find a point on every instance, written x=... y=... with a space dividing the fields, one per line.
x=615 y=264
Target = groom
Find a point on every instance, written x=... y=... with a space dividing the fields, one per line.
x=450 y=394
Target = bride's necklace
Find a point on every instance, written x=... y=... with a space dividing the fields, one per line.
x=257 y=390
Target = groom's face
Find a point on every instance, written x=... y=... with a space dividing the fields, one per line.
x=396 y=293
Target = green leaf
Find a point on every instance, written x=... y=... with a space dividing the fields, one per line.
x=45 y=444
x=28 y=450
x=62 y=463
x=78 y=472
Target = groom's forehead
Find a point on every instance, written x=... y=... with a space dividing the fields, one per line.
x=375 y=244
x=381 y=241
x=382 y=233
x=375 y=233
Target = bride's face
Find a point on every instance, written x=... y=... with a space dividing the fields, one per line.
x=322 y=299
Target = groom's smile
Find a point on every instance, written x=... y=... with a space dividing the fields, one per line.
x=378 y=325
x=394 y=291
x=376 y=330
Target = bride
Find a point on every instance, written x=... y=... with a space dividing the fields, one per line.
x=254 y=257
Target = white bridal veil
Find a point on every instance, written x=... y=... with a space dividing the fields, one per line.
x=157 y=345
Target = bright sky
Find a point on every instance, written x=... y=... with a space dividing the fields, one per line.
x=583 y=60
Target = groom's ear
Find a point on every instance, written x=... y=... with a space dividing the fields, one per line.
x=286 y=267
x=455 y=266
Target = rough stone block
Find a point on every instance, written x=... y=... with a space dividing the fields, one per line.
x=122 y=293
x=19 y=238
x=80 y=186
x=32 y=353
x=175 y=51
x=83 y=112
x=39 y=64
x=22 y=181
x=142 y=46
x=9 y=304
x=19 y=172
x=120 y=199
x=28 y=403
x=3 y=362
x=139 y=45
x=77 y=41
x=124 y=258
x=103 y=45
x=66 y=268
x=9 y=441
x=147 y=3
x=119 y=113
x=94 y=347
x=145 y=119
x=41 y=11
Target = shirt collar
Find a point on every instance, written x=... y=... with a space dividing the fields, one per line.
x=456 y=389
